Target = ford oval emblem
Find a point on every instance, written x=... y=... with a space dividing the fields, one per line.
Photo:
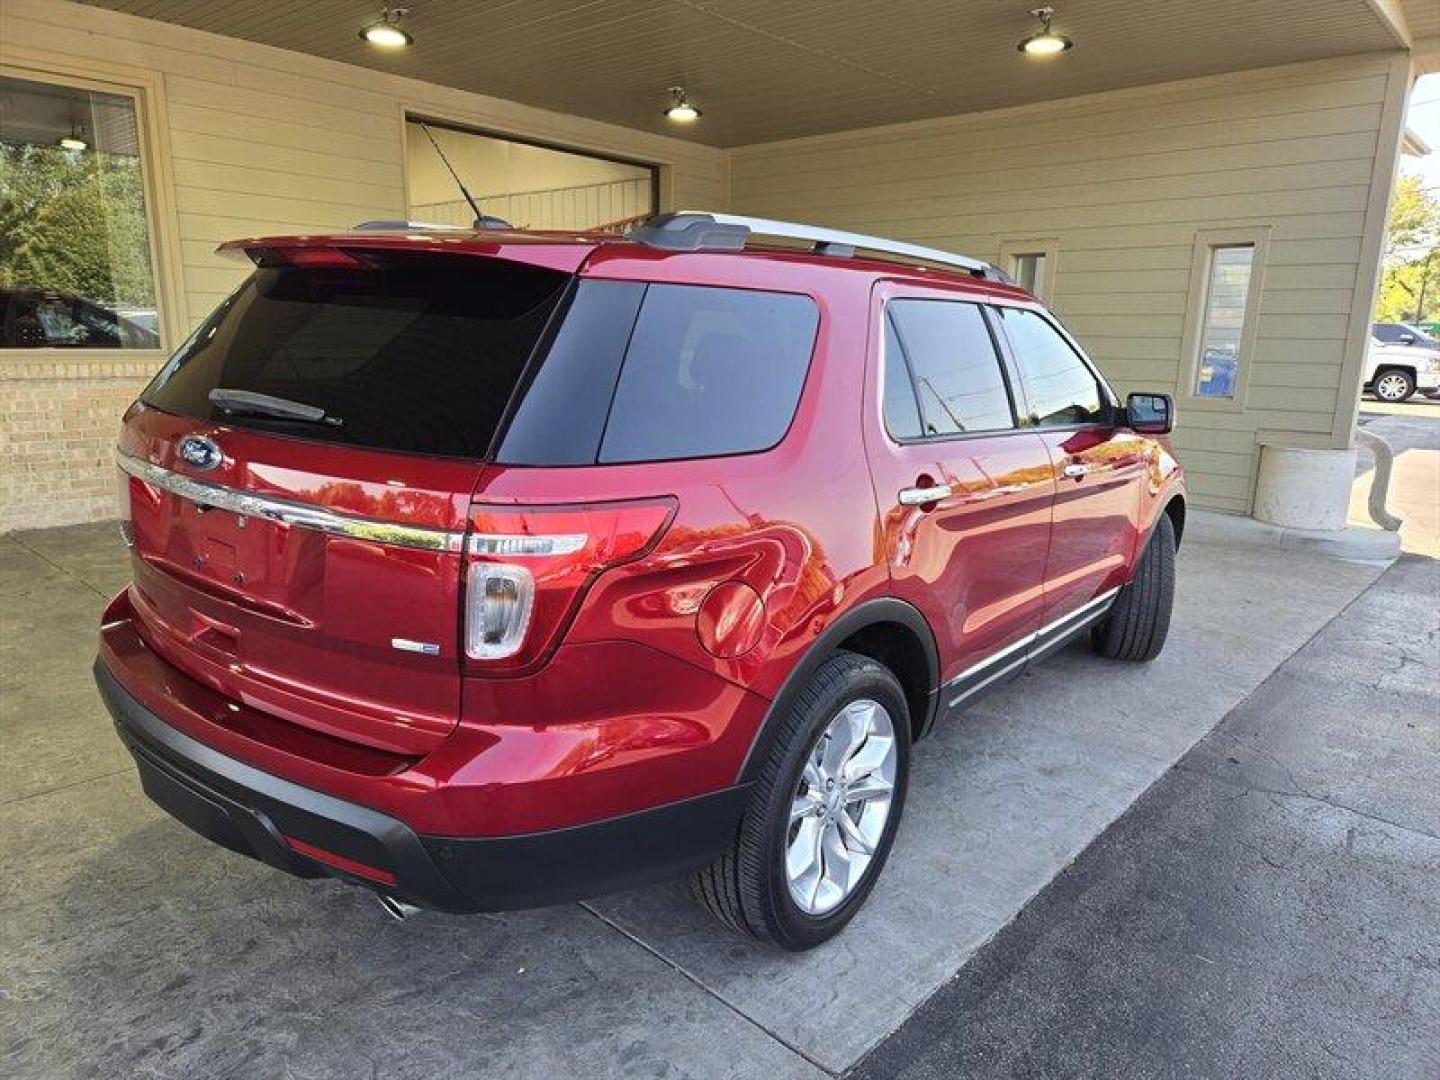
x=199 y=452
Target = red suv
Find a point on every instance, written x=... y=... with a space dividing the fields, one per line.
x=495 y=569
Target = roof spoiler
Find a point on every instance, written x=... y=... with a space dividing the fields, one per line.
x=703 y=230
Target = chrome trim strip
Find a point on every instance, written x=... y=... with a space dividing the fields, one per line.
x=1094 y=607
x=287 y=512
x=975 y=669
x=973 y=690
x=1078 y=615
x=426 y=648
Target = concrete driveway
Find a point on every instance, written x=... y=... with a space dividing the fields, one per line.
x=132 y=947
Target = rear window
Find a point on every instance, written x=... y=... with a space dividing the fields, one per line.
x=414 y=354
x=430 y=355
x=661 y=372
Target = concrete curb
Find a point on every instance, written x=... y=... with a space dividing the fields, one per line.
x=1354 y=544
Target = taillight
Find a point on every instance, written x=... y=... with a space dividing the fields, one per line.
x=528 y=568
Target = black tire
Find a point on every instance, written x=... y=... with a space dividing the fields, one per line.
x=746 y=888
x=1139 y=620
x=1398 y=377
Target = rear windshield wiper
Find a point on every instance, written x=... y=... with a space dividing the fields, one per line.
x=249 y=402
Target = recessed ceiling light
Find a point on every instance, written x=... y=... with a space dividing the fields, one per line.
x=386 y=33
x=1044 y=42
x=680 y=110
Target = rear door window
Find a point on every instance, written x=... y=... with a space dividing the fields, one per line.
x=902 y=414
x=956 y=369
x=418 y=354
x=709 y=371
x=1062 y=389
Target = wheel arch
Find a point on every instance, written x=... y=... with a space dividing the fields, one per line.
x=1175 y=510
x=886 y=629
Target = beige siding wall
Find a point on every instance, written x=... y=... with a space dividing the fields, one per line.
x=1124 y=181
x=258 y=140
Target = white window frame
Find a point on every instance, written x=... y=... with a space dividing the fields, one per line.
x=1012 y=250
x=146 y=90
x=1207 y=242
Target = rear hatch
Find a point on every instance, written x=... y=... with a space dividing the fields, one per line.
x=299 y=475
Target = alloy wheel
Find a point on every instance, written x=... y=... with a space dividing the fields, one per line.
x=840 y=807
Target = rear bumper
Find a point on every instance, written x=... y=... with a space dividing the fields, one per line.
x=310 y=833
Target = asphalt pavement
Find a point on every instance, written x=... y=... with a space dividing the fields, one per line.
x=1270 y=907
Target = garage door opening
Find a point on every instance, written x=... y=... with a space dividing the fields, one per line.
x=528 y=185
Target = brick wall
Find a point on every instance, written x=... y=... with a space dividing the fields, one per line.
x=58 y=422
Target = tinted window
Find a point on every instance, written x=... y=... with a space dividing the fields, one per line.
x=902 y=415
x=1062 y=391
x=1404 y=334
x=709 y=371
x=561 y=416
x=415 y=354
x=957 y=372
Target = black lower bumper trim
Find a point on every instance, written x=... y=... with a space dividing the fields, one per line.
x=252 y=812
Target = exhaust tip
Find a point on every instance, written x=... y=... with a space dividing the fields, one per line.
x=396 y=909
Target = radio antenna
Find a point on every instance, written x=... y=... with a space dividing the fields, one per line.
x=474 y=206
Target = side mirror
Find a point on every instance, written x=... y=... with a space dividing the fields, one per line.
x=1150 y=414
x=1408 y=339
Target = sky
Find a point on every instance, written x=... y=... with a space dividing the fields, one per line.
x=1423 y=118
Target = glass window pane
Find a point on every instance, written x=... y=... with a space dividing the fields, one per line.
x=1029 y=270
x=75 y=267
x=561 y=415
x=957 y=372
x=1062 y=390
x=414 y=352
x=709 y=371
x=1226 y=293
x=902 y=417
x=531 y=187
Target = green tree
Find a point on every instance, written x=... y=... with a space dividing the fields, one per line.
x=74 y=222
x=1410 y=285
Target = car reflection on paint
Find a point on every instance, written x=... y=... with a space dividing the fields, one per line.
x=48 y=319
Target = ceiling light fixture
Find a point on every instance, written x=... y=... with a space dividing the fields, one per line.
x=680 y=110
x=1045 y=42
x=386 y=33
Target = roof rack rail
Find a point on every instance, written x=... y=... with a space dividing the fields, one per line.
x=387 y=225
x=704 y=230
x=484 y=221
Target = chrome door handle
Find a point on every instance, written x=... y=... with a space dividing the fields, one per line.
x=1074 y=470
x=921 y=496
